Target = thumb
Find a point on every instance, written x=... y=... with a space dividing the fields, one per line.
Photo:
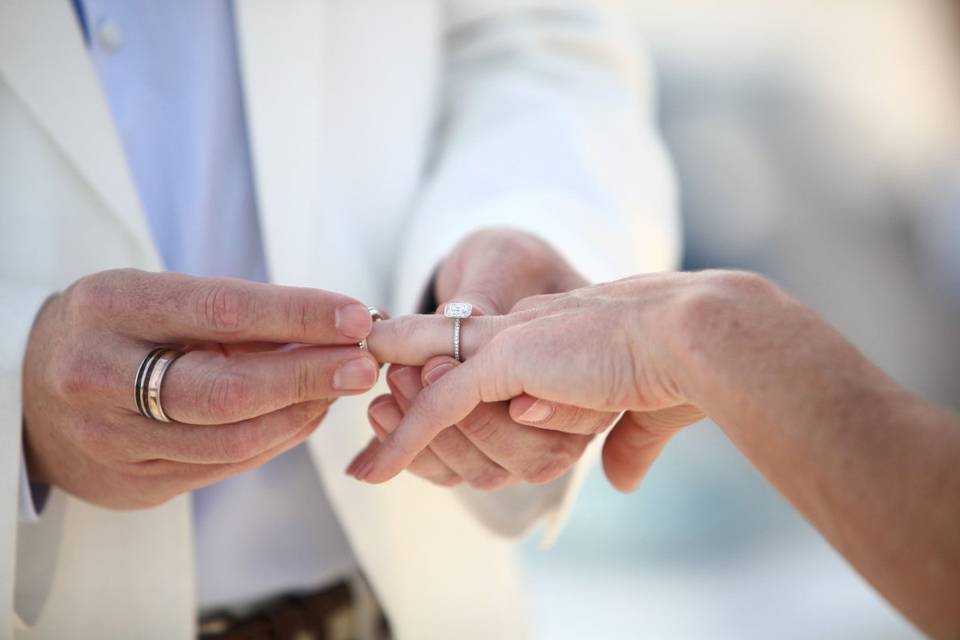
x=638 y=438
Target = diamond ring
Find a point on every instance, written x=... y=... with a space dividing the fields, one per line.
x=458 y=311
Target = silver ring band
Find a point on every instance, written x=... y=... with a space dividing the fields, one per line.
x=459 y=311
x=154 y=385
x=140 y=383
x=149 y=382
x=377 y=316
x=456 y=339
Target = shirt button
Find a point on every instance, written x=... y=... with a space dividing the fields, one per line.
x=109 y=35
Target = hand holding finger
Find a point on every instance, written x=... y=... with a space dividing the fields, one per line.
x=414 y=339
x=385 y=416
x=180 y=309
x=208 y=387
x=555 y=416
x=451 y=446
x=530 y=454
x=638 y=438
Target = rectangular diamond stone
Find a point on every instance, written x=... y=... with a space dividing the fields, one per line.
x=457 y=310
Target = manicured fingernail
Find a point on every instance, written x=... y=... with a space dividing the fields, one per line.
x=359 y=462
x=385 y=413
x=351 y=468
x=360 y=458
x=365 y=468
x=437 y=372
x=377 y=429
x=406 y=380
x=539 y=411
x=353 y=320
x=354 y=375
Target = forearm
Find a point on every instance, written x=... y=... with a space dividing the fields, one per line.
x=872 y=466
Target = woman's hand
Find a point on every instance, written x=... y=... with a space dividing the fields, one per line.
x=608 y=348
x=491 y=269
x=871 y=465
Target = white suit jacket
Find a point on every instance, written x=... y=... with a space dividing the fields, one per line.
x=381 y=133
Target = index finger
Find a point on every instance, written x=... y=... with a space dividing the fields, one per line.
x=447 y=402
x=170 y=307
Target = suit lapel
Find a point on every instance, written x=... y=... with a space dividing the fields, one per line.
x=45 y=62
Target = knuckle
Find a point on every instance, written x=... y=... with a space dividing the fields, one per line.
x=236 y=445
x=568 y=417
x=532 y=302
x=69 y=377
x=480 y=425
x=226 y=394
x=305 y=311
x=91 y=296
x=91 y=437
x=446 y=479
x=223 y=308
x=550 y=466
x=489 y=478
x=741 y=281
x=429 y=403
x=601 y=423
x=308 y=382
x=405 y=329
x=80 y=380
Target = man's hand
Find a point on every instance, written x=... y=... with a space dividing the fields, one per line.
x=488 y=449
x=264 y=363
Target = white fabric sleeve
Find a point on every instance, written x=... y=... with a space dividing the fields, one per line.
x=30 y=505
x=19 y=305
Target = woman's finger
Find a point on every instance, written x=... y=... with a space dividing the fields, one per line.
x=445 y=403
x=555 y=416
x=414 y=339
x=532 y=454
x=385 y=416
x=638 y=438
x=452 y=446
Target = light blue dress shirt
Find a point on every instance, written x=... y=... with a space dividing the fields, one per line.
x=169 y=69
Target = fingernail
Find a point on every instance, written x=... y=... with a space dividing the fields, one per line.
x=384 y=413
x=359 y=462
x=354 y=375
x=365 y=468
x=352 y=466
x=437 y=372
x=359 y=459
x=406 y=380
x=353 y=320
x=378 y=429
x=539 y=411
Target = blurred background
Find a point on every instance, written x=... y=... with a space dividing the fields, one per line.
x=815 y=141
